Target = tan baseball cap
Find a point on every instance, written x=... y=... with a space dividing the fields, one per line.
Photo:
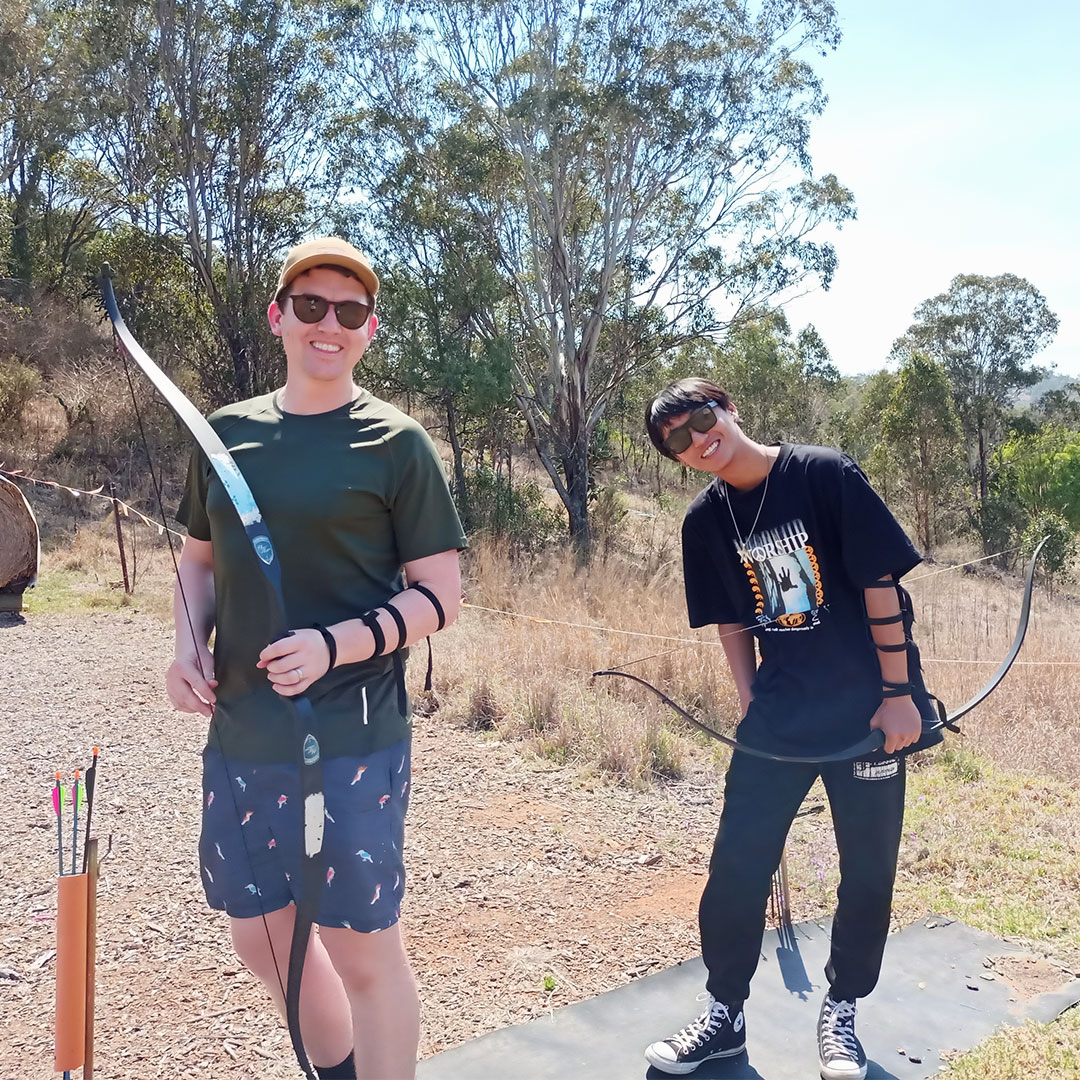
x=327 y=251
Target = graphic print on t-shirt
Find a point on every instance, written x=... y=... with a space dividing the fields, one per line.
x=784 y=577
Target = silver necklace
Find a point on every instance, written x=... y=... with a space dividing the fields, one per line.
x=745 y=548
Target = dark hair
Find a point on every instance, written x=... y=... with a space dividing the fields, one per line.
x=677 y=398
x=283 y=292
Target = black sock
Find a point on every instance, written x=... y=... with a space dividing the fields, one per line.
x=346 y=1070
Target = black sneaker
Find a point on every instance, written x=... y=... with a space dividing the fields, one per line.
x=840 y=1052
x=716 y=1033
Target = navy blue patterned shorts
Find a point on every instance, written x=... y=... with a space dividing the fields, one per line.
x=251 y=846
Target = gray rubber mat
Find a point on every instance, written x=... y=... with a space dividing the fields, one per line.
x=935 y=994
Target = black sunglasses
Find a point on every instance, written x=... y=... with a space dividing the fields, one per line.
x=679 y=439
x=352 y=314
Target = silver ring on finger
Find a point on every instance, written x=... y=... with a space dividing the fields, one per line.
x=299 y=674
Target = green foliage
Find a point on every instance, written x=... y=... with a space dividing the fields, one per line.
x=814 y=359
x=1060 y=551
x=959 y=764
x=551 y=133
x=984 y=331
x=43 y=65
x=1042 y=471
x=158 y=297
x=517 y=514
x=601 y=445
x=922 y=433
x=999 y=519
x=862 y=409
x=783 y=388
x=510 y=167
x=625 y=439
x=431 y=346
x=1060 y=407
x=246 y=88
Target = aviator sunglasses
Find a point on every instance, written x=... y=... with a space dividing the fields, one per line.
x=351 y=314
x=679 y=439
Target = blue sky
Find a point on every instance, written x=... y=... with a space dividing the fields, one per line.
x=955 y=124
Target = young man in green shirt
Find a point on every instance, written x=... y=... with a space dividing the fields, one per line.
x=355 y=497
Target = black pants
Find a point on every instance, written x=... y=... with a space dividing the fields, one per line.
x=761 y=799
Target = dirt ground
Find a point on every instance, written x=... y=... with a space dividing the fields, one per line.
x=526 y=890
x=529 y=888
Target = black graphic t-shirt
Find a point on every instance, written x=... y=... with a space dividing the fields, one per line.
x=822 y=536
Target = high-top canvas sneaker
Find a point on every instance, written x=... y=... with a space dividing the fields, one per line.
x=718 y=1032
x=839 y=1050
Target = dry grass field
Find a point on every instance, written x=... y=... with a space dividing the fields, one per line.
x=519 y=661
x=530 y=675
x=993 y=828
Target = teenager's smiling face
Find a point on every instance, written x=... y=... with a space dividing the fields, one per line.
x=324 y=351
x=710 y=450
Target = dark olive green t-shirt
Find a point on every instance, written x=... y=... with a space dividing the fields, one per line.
x=348 y=496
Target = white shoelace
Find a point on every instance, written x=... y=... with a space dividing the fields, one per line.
x=838 y=1032
x=705 y=1025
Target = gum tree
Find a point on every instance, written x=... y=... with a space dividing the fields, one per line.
x=650 y=179
x=985 y=332
x=922 y=432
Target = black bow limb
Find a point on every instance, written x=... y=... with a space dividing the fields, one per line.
x=875 y=740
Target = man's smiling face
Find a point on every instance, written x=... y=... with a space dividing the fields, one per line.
x=710 y=450
x=324 y=351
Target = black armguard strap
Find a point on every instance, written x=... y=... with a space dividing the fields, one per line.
x=331 y=644
x=430 y=665
x=901 y=647
x=888 y=584
x=434 y=602
x=399 y=677
x=895 y=689
x=371 y=620
x=886 y=619
x=399 y=622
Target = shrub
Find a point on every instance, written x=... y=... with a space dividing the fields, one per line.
x=1059 y=552
x=18 y=384
x=483 y=710
x=606 y=516
x=515 y=513
x=960 y=764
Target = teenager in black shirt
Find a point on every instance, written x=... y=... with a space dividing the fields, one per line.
x=789 y=545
